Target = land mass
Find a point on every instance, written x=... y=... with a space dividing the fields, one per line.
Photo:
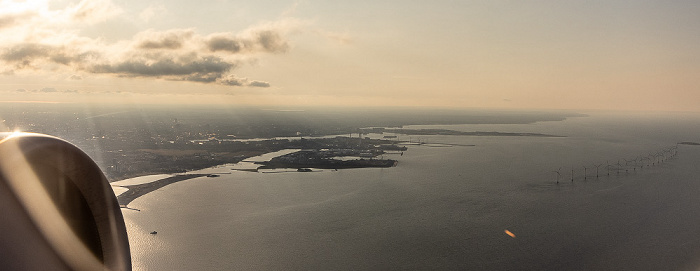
x=127 y=141
x=186 y=155
x=183 y=156
x=689 y=143
x=138 y=190
x=325 y=159
x=451 y=132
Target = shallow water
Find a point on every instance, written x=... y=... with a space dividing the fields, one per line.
x=446 y=207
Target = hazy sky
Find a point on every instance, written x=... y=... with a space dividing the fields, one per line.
x=629 y=55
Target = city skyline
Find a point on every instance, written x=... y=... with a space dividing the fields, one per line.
x=612 y=55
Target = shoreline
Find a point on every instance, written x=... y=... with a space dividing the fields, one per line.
x=137 y=190
x=182 y=158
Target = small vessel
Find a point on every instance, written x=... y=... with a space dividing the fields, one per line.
x=213 y=175
x=303 y=170
x=154 y=232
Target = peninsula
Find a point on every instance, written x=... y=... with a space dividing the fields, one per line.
x=449 y=132
x=138 y=190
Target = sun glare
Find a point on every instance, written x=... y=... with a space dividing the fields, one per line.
x=23 y=6
x=9 y=135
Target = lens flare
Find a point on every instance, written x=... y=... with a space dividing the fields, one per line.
x=510 y=233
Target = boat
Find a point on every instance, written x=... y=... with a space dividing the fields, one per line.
x=304 y=170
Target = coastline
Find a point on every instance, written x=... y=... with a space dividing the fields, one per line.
x=266 y=160
x=179 y=157
x=143 y=187
x=138 y=190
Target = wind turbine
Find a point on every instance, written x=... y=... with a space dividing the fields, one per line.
x=641 y=160
x=572 y=173
x=558 y=174
x=618 y=167
x=648 y=160
x=585 y=170
x=596 y=169
x=627 y=163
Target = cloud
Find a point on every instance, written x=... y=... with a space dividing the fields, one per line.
x=204 y=69
x=138 y=61
x=203 y=77
x=267 y=37
x=166 y=67
x=93 y=11
x=26 y=54
x=46 y=90
x=224 y=43
x=50 y=40
x=10 y=20
x=259 y=84
x=171 y=39
x=272 y=41
x=267 y=41
x=235 y=81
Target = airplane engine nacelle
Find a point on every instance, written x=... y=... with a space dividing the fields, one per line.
x=57 y=209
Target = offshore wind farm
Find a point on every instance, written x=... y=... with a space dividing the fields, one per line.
x=652 y=159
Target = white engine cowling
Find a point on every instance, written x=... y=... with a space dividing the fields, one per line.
x=57 y=209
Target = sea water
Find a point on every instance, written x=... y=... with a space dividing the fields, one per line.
x=447 y=208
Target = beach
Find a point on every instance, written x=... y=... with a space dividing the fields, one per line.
x=137 y=190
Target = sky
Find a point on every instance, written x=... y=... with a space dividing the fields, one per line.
x=609 y=55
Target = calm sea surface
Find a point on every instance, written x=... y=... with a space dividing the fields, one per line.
x=447 y=208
